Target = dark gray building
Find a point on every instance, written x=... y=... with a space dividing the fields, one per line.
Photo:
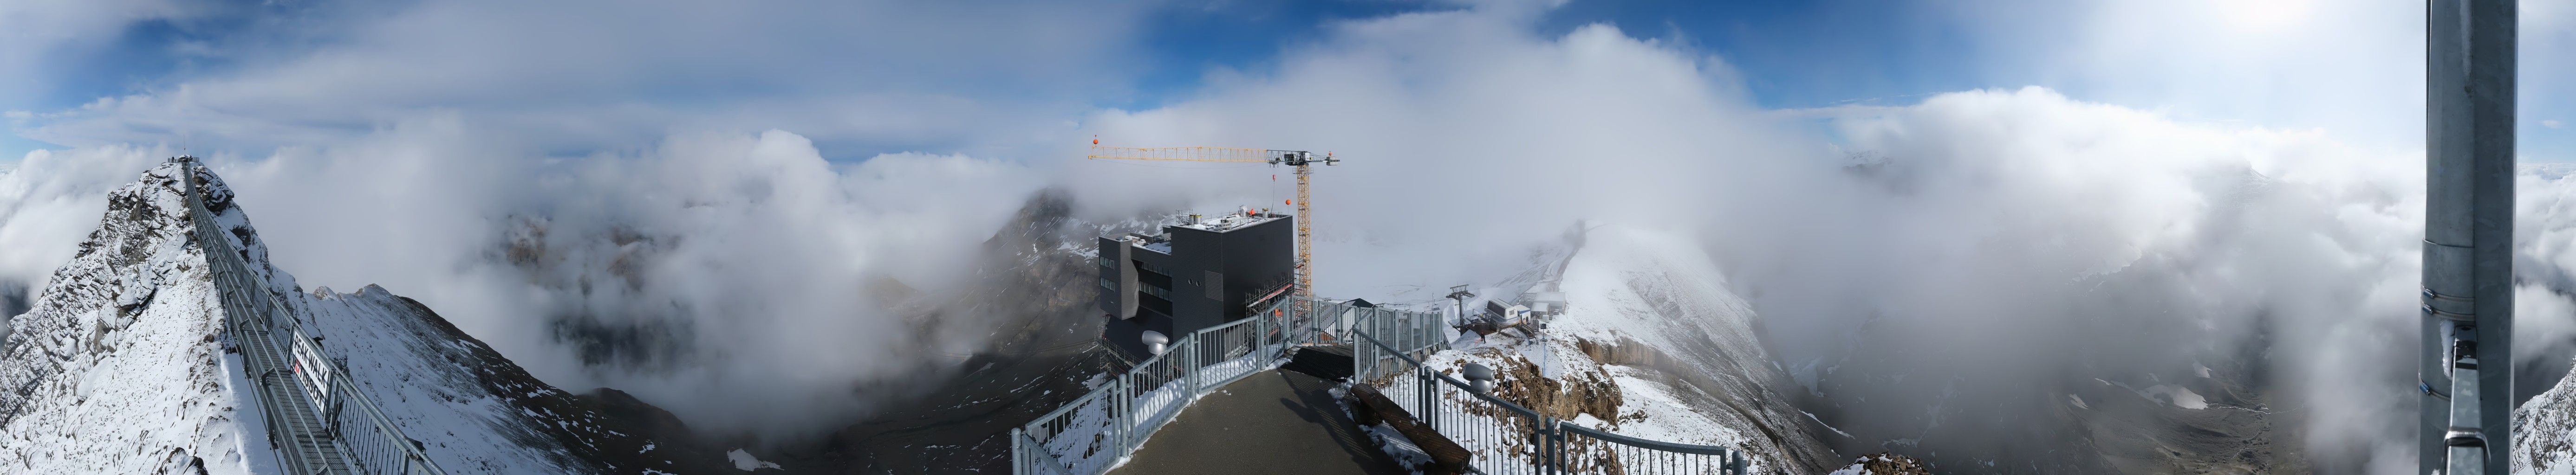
x=1197 y=274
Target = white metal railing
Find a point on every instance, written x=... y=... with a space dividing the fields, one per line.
x=353 y=435
x=1097 y=431
x=1505 y=438
x=1417 y=334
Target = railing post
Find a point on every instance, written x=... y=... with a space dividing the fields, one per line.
x=1430 y=396
x=1122 y=404
x=1190 y=364
x=1538 y=446
x=1019 y=463
x=1260 y=340
x=1555 y=445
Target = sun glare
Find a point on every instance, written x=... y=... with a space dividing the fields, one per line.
x=2266 y=15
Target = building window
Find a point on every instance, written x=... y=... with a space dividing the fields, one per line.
x=1154 y=279
x=1108 y=283
x=1156 y=304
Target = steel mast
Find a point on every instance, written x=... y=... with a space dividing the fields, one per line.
x=2466 y=363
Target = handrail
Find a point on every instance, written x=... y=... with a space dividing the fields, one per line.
x=326 y=382
x=1099 y=430
x=1551 y=450
x=1445 y=378
x=1651 y=444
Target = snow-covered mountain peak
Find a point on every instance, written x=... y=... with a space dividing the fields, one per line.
x=118 y=366
x=1650 y=344
x=125 y=364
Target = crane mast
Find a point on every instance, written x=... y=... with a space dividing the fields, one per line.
x=1303 y=160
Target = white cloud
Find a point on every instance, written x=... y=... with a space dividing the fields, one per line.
x=754 y=254
x=36 y=33
x=2355 y=69
x=2015 y=235
x=594 y=75
x=411 y=147
x=749 y=254
x=2551 y=123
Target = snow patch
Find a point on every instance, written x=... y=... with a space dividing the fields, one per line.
x=2177 y=395
x=743 y=460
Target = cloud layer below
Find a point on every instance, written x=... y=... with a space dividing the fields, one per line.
x=2028 y=236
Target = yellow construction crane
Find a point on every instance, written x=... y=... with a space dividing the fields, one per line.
x=1303 y=160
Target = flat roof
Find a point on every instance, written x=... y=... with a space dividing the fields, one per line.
x=1162 y=243
x=1232 y=221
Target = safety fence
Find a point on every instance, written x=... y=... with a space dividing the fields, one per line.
x=316 y=420
x=1097 y=431
x=1505 y=438
x=1407 y=333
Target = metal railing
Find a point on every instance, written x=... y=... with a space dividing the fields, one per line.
x=1099 y=430
x=1504 y=438
x=333 y=428
x=1418 y=334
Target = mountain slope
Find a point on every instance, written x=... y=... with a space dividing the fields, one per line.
x=1651 y=344
x=2544 y=432
x=1041 y=352
x=123 y=366
x=119 y=367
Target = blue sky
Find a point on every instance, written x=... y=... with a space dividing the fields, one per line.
x=430 y=126
x=226 y=75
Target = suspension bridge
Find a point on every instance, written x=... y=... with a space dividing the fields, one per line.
x=316 y=421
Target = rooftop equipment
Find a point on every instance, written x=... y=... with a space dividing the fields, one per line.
x=1296 y=158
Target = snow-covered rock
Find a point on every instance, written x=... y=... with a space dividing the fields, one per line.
x=2544 y=432
x=119 y=367
x=1884 y=464
x=1650 y=344
x=123 y=365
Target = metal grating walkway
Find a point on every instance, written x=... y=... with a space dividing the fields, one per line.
x=316 y=421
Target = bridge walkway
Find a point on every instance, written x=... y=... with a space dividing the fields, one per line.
x=296 y=424
x=1277 y=421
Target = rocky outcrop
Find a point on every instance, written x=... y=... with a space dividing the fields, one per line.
x=2544 y=431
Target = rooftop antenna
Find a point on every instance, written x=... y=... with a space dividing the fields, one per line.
x=2466 y=414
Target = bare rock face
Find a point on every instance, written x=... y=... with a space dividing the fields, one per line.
x=1581 y=391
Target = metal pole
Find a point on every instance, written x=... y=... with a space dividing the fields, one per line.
x=1122 y=408
x=1429 y=391
x=2468 y=233
x=1019 y=464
